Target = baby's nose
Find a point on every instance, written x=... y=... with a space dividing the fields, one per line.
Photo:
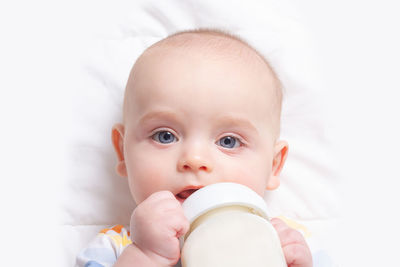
x=195 y=163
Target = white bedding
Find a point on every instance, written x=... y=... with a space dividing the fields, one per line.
x=88 y=52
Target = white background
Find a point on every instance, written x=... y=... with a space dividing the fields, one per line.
x=358 y=49
x=357 y=43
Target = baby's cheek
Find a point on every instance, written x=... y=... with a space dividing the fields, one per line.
x=249 y=178
x=146 y=179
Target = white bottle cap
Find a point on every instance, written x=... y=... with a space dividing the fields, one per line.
x=222 y=195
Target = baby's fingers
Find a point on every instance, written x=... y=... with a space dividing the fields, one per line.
x=286 y=234
x=182 y=226
x=297 y=255
x=294 y=246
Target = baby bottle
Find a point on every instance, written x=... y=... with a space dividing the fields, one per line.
x=229 y=226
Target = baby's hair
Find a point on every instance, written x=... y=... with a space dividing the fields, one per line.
x=245 y=52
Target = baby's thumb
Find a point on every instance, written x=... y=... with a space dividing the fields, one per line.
x=183 y=227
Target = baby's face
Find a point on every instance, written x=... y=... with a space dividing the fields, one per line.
x=194 y=120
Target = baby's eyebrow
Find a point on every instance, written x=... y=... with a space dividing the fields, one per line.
x=236 y=121
x=153 y=115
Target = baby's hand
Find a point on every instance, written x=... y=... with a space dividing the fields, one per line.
x=156 y=225
x=295 y=248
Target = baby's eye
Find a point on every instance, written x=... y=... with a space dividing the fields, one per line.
x=164 y=137
x=229 y=142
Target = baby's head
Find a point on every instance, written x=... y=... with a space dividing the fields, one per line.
x=200 y=107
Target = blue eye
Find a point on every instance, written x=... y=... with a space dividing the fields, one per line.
x=164 y=137
x=228 y=142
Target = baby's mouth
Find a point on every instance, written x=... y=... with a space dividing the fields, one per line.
x=182 y=196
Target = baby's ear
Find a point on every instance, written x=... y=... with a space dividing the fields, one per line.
x=280 y=154
x=117 y=136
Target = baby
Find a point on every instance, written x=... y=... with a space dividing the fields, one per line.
x=200 y=107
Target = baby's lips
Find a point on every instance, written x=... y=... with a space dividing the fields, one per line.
x=186 y=193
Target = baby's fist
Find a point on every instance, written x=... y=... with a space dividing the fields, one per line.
x=294 y=246
x=156 y=225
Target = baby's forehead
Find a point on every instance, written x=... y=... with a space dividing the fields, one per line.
x=210 y=45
